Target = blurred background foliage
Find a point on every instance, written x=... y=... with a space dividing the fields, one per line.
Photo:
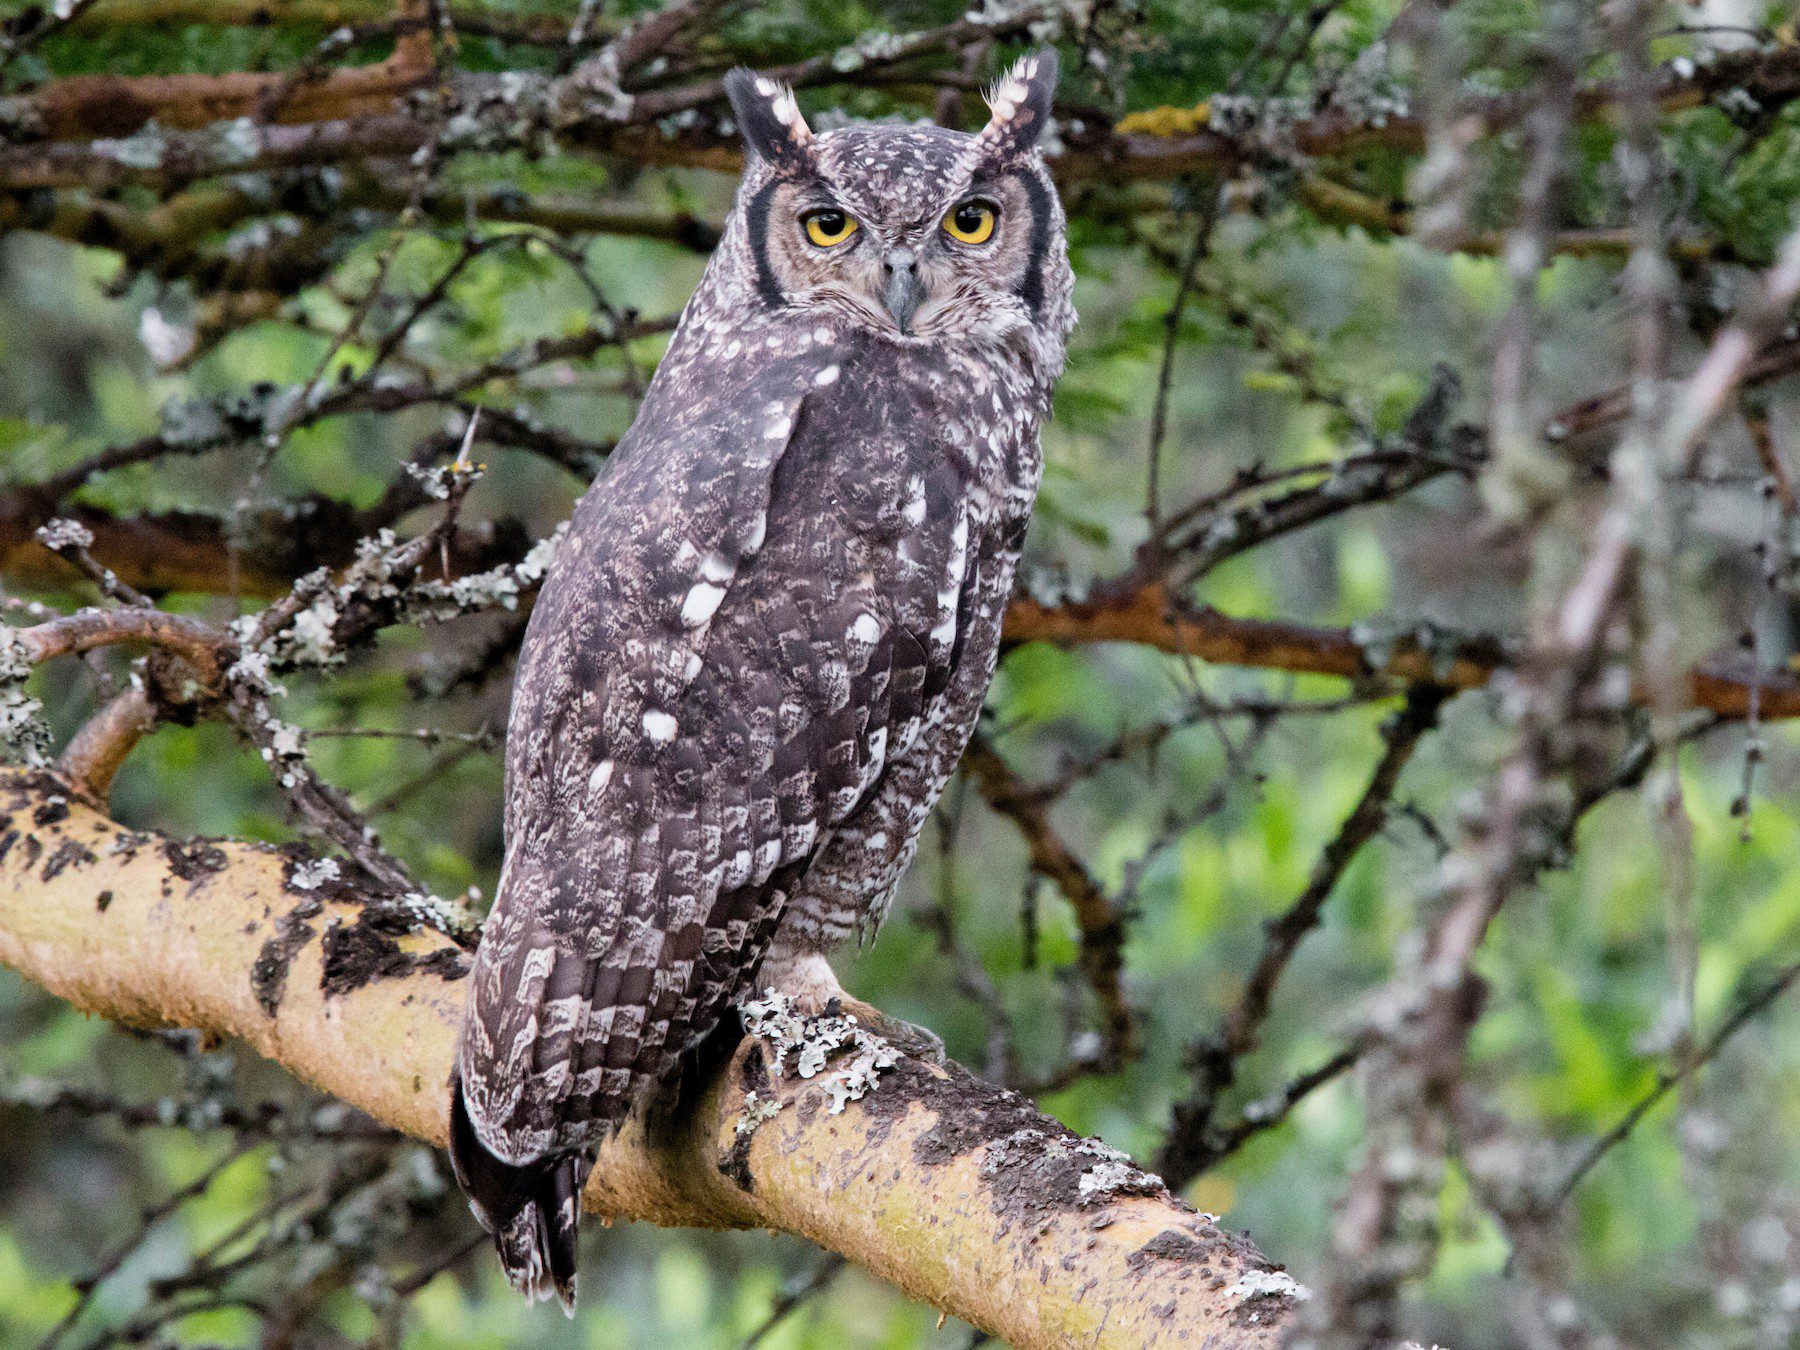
x=1303 y=336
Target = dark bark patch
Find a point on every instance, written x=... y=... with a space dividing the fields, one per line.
x=303 y=877
x=69 y=853
x=358 y=954
x=1260 y=1310
x=735 y=1165
x=269 y=972
x=971 y=1113
x=194 y=859
x=1178 y=1253
x=1034 y=1167
x=1168 y=1245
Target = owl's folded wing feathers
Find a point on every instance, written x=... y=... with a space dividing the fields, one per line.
x=718 y=672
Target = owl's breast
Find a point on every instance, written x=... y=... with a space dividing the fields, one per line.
x=889 y=413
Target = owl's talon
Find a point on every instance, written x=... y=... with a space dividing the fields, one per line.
x=810 y=981
x=916 y=1041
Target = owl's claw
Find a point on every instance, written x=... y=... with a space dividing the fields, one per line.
x=809 y=980
x=916 y=1041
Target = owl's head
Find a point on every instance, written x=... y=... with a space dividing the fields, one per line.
x=921 y=234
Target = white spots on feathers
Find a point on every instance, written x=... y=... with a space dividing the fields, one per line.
x=785 y=107
x=799 y=839
x=701 y=604
x=598 y=781
x=778 y=426
x=945 y=631
x=866 y=630
x=759 y=527
x=877 y=758
x=660 y=726
x=914 y=509
x=826 y=376
x=737 y=871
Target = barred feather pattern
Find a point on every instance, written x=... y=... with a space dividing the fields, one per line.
x=753 y=665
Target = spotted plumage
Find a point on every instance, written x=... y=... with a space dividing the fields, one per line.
x=768 y=633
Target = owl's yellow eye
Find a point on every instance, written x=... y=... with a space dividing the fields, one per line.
x=828 y=227
x=972 y=222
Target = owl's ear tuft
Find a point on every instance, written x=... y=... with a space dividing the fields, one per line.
x=1021 y=104
x=769 y=118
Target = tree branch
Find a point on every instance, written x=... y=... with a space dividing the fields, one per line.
x=1161 y=143
x=956 y=1191
x=81 y=106
x=1145 y=613
x=1193 y=1146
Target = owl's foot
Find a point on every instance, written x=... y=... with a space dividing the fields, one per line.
x=813 y=985
x=916 y=1041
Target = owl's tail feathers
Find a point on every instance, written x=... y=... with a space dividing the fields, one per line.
x=530 y=1209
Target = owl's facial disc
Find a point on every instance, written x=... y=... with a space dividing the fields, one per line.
x=919 y=233
x=832 y=232
x=932 y=242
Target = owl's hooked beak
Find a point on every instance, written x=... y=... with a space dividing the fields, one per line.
x=904 y=288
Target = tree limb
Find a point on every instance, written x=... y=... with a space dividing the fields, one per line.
x=1146 y=613
x=1155 y=144
x=958 y=1192
x=184 y=551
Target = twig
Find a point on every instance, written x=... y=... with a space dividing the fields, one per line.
x=1668 y=1079
x=1190 y=1147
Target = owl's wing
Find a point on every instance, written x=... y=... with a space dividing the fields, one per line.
x=745 y=622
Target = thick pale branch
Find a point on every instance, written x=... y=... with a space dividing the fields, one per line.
x=99 y=748
x=958 y=1192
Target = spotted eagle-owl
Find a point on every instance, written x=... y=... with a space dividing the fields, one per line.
x=767 y=636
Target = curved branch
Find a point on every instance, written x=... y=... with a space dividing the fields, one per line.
x=958 y=1192
x=196 y=642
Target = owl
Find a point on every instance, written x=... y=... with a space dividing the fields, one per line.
x=768 y=632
